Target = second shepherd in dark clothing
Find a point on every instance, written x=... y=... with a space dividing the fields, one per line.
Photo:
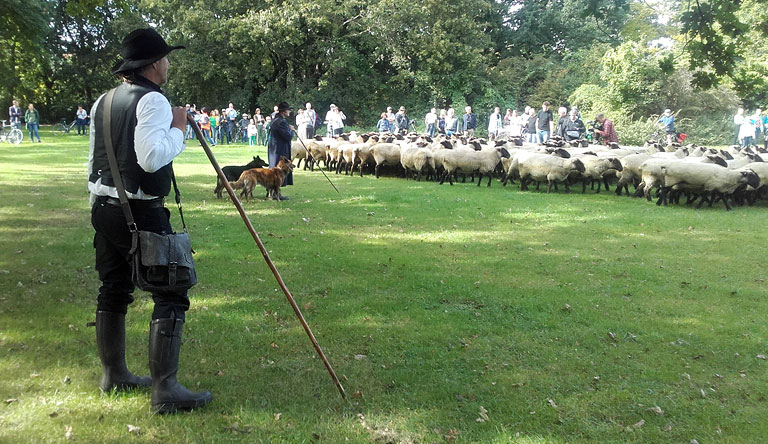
x=280 y=140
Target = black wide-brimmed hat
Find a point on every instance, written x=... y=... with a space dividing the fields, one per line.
x=282 y=106
x=140 y=48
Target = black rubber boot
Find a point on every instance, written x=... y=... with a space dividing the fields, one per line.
x=168 y=395
x=110 y=338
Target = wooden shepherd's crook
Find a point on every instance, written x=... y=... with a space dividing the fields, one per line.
x=264 y=252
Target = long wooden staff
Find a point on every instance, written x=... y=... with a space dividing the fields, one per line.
x=264 y=252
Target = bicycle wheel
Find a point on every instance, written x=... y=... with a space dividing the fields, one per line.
x=15 y=136
x=59 y=129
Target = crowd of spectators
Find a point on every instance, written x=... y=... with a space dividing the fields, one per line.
x=749 y=127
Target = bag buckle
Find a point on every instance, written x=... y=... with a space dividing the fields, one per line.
x=172 y=266
x=132 y=227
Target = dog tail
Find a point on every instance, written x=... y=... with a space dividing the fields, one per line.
x=239 y=183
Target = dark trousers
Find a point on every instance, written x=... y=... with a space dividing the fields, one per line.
x=80 y=126
x=112 y=242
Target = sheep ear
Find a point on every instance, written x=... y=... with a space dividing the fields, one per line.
x=757 y=158
x=505 y=153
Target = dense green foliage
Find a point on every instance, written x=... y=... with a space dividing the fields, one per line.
x=432 y=302
x=367 y=54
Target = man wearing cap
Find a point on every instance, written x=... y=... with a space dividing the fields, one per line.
x=280 y=141
x=668 y=122
x=147 y=134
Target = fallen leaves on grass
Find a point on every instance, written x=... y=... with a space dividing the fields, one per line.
x=483 y=415
x=236 y=428
x=133 y=429
x=567 y=308
x=277 y=416
x=68 y=434
x=612 y=336
x=11 y=400
x=551 y=403
x=638 y=424
x=761 y=357
x=357 y=395
x=657 y=410
x=360 y=357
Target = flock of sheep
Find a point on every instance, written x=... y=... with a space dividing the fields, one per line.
x=733 y=175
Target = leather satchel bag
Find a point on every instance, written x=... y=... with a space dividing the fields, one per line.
x=159 y=262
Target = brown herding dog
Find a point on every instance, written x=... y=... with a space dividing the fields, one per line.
x=269 y=178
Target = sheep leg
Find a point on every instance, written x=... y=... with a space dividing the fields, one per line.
x=479 y=181
x=662 y=196
x=549 y=186
x=537 y=185
x=619 y=188
x=751 y=198
x=490 y=177
x=598 y=185
x=703 y=199
x=377 y=170
x=605 y=183
x=725 y=201
x=583 y=186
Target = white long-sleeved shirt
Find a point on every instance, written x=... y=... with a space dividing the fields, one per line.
x=155 y=141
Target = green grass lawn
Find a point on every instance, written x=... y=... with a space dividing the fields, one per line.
x=452 y=314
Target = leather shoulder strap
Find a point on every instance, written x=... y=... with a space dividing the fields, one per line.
x=113 y=167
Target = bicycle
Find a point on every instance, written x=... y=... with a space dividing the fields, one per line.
x=63 y=128
x=12 y=135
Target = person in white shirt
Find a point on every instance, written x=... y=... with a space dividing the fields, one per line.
x=430 y=120
x=302 y=122
x=738 y=119
x=494 y=123
x=252 y=131
x=329 y=120
x=747 y=131
x=147 y=134
x=335 y=120
x=516 y=124
x=311 y=119
x=81 y=115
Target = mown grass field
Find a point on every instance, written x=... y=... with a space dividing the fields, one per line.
x=455 y=314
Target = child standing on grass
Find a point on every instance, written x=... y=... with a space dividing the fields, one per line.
x=252 y=131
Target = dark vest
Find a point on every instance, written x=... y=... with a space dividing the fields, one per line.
x=123 y=125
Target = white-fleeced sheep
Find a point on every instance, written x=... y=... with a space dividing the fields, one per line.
x=705 y=179
x=415 y=158
x=596 y=168
x=385 y=154
x=483 y=162
x=544 y=167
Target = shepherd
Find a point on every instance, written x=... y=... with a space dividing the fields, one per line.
x=281 y=134
x=147 y=134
